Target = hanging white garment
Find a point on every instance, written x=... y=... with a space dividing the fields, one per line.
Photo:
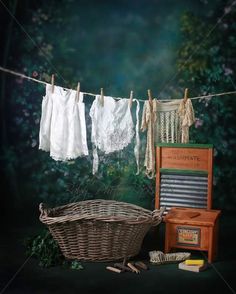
x=62 y=126
x=165 y=122
x=45 y=122
x=187 y=118
x=112 y=127
x=137 y=143
x=148 y=124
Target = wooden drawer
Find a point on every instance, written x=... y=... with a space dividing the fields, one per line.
x=193 y=229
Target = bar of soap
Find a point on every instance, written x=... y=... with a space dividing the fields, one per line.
x=194 y=262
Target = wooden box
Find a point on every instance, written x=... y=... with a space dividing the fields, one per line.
x=193 y=229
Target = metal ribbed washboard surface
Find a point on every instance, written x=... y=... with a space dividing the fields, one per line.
x=183 y=190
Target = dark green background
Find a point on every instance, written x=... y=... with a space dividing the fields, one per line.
x=164 y=46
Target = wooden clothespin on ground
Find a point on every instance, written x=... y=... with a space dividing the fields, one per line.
x=131 y=99
x=185 y=95
x=52 y=82
x=102 y=97
x=114 y=269
x=133 y=268
x=122 y=266
x=141 y=265
x=78 y=91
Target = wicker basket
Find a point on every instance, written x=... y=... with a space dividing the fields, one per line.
x=99 y=230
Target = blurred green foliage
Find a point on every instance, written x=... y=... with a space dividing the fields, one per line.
x=206 y=65
x=46 y=250
x=106 y=51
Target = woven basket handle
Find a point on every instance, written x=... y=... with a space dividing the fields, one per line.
x=43 y=210
x=157 y=215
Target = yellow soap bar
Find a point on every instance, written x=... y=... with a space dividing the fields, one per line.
x=194 y=261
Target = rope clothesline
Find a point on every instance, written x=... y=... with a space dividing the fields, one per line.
x=92 y=94
x=56 y=71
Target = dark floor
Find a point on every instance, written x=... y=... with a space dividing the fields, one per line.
x=220 y=277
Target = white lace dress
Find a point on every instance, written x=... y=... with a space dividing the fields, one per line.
x=62 y=126
x=112 y=127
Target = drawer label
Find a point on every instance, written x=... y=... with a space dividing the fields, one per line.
x=188 y=236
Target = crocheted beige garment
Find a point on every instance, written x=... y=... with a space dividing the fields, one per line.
x=147 y=123
x=187 y=118
x=165 y=122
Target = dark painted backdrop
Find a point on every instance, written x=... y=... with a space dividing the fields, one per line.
x=137 y=45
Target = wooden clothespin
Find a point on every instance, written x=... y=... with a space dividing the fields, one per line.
x=141 y=265
x=78 y=91
x=52 y=82
x=131 y=98
x=134 y=269
x=185 y=95
x=102 y=97
x=150 y=97
x=122 y=267
x=113 y=269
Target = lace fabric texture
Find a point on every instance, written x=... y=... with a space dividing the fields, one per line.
x=112 y=126
x=165 y=122
x=148 y=124
x=62 y=126
x=187 y=118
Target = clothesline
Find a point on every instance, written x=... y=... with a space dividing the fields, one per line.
x=92 y=94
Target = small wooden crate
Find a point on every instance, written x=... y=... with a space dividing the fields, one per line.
x=193 y=229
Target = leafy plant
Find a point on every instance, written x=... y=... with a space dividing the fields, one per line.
x=75 y=264
x=47 y=251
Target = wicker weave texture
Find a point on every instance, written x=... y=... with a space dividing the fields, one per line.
x=99 y=230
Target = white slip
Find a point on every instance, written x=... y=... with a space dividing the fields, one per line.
x=112 y=127
x=63 y=126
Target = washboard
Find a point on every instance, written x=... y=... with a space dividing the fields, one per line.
x=184 y=175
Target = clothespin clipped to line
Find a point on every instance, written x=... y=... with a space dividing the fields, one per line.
x=131 y=98
x=78 y=91
x=185 y=95
x=149 y=96
x=102 y=97
x=52 y=82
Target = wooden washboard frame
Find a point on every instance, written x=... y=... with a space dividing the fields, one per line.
x=184 y=175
